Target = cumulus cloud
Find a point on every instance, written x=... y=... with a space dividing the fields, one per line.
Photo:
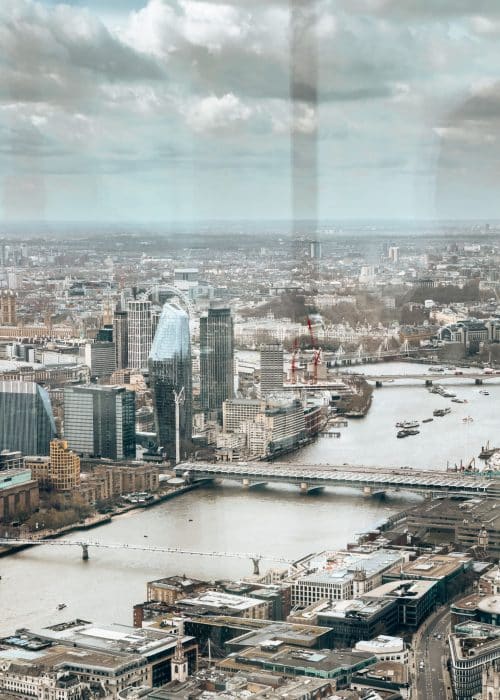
x=62 y=54
x=214 y=113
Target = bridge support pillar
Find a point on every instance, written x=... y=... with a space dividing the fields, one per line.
x=247 y=484
x=256 y=562
x=428 y=382
x=304 y=487
x=85 y=552
x=378 y=384
x=367 y=491
x=478 y=381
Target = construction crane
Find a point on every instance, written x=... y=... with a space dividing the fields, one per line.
x=295 y=353
x=316 y=352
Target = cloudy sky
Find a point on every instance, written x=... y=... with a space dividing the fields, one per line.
x=157 y=110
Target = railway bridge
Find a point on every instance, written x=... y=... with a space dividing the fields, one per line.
x=371 y=480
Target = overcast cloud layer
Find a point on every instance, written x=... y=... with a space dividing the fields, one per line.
x=181 y=109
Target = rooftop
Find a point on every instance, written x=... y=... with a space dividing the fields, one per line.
x=342 y=565
x=289 y=659
x=403 y=589
x=216 y=599
x=118 y=639
x=434 y=566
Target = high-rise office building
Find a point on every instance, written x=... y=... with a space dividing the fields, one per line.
x=26 y=418
x=120 y=338
x=101 y=358
x=315 y=250
x=271 y=368
x=170 y=374
x=216 y=358
x=99 y=421
x=140 y=334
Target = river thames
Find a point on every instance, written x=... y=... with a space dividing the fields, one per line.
x=275 y=521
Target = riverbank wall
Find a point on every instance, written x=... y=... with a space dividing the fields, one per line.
x=98 y=520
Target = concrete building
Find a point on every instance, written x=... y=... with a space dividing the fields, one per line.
x=416 y=600
x=213 y=683
x=227 y=604
x=271 y=369
x=26 y=419
x=342 y=575
x=129 y=656
x=140 y=333
x=460 y=521
x=351 y=621
x=477 y=607
x=491 y=682
x=99 y=421
x=446 y=569
x=216 y=359
x=385 y=648
x=279 y=428
x=24 y=679
x=169 y=590
x=19 y=494
x=489 y=582
x=338 y=665
x=473 y=649
x=237 y=411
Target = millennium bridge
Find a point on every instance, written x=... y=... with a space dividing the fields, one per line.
x=372 y=481
x=21 y=543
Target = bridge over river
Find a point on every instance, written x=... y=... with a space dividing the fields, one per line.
x=371 y=480
x=428 y=378
x=17 y=543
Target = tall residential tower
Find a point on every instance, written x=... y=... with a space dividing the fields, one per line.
x=170 y=380
x=216 y=358
x=140 y=333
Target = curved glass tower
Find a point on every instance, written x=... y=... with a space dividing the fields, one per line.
x=169 y=373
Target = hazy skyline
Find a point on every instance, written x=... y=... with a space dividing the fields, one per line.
x=181 y=109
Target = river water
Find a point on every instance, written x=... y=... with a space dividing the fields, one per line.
x=276 y=521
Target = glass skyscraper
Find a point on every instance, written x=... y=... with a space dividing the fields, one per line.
x=216 y=359
x=26 y=419
x=170 y=372
x=99 y=421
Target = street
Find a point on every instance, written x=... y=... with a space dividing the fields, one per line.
x=432 y=681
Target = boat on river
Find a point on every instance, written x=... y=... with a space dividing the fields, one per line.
x=407 y=433
x=440 y=412
x=408 y=424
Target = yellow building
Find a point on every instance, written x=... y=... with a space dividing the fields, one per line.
x=60 y=471
x=64 y=466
